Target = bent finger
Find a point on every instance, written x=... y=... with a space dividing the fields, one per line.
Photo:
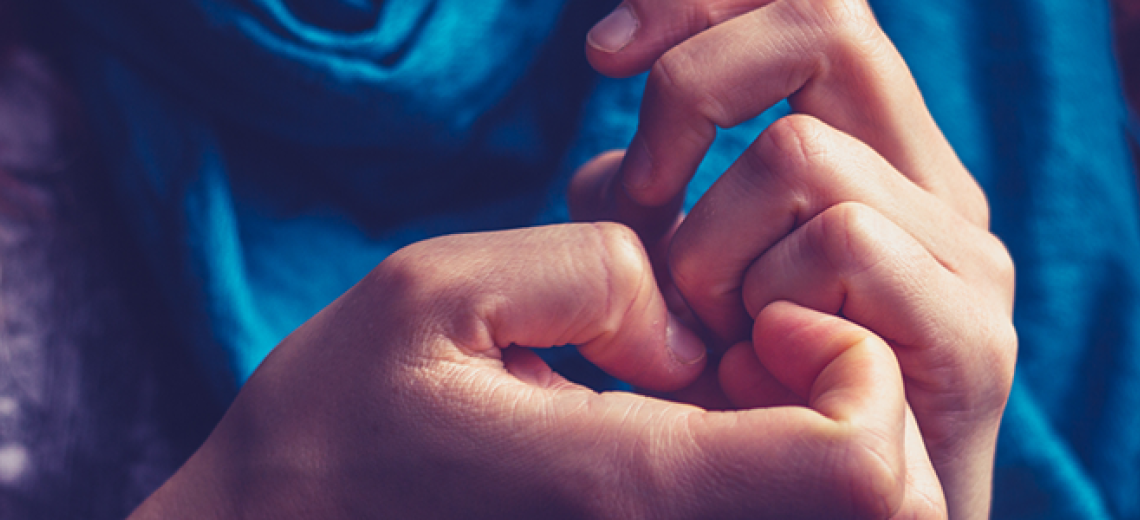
x=589 y=285
x=747 y=383
x=829 y=59
x=637 y=32
x=957 y=345
x=852 y=261
x=850 y=379
x=799 y=167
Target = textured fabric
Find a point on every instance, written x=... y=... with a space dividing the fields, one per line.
x=273 y=151
x=93 y=418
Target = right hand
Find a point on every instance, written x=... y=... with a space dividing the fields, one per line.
x=854 y=206
x=409 y=397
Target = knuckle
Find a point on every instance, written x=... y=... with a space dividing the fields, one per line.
x=842 y=19
x=717 y=12
x=997 y=261
x=426 y=274
x=975 y=205
x=795 y=145
x=625 y=267
x=846 y=13
x=849 y=31
x=800 y=134
x=1000 y=338
x=1005 y=338
x=622 y=247
x=990 y=382
x=679 y=79
x=845 y=235
x=414 y=265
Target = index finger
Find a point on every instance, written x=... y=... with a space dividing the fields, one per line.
x=829 y=59
x=637 y=32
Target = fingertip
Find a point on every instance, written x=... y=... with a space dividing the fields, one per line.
x=748 y=384
x=609 y=42
x=590 y=193
x=614 y=32
x=633 y=36
x=684 y=345
x=797 y=343
x=669 y=358
x=684 y=360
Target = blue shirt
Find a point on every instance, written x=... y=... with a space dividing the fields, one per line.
x=271 y=152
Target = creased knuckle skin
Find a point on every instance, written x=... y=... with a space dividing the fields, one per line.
x=998 y=356
x=625 y=259
x=417 y=267
x=998 y=264
x=973 y=204
x=846 y=22
x=625 y=265
x=845 y=234
x=680 y=80
x=797 y=143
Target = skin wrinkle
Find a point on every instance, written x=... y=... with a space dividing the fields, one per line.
x=857 y=446
x=715 y=14
x=677 y=75
x=694 y=19
x=815 y=157
x=648 y=473
x=792 y=14
x=944 y=371
x=599 y=441
x=784 y=136
x=843 y=237
x=843 y=17
x=607 y=308
x=624 y=412
x=843 y=32
x=717 y=465
x=615 y=323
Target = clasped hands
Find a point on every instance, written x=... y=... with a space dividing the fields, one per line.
x=830 y=326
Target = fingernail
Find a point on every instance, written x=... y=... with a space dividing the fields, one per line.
x=685 y=346
x=615 y=31
x=637 y=167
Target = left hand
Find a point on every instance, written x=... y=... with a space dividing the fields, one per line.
x=857 y=207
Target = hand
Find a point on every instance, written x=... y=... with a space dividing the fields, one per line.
x=855 y=207
x=409 y=397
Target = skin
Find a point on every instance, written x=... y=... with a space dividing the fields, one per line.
x=855 y=206
x=871 y=303
x=408 y=398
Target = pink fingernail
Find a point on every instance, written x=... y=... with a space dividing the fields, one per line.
x=615 y=31
x=686 y=347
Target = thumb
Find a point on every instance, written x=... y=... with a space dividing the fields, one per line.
x=592 y=285
x=845 y=371
x=638 y=32
x=589 y=285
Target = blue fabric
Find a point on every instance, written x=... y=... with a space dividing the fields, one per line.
x=272 y=151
